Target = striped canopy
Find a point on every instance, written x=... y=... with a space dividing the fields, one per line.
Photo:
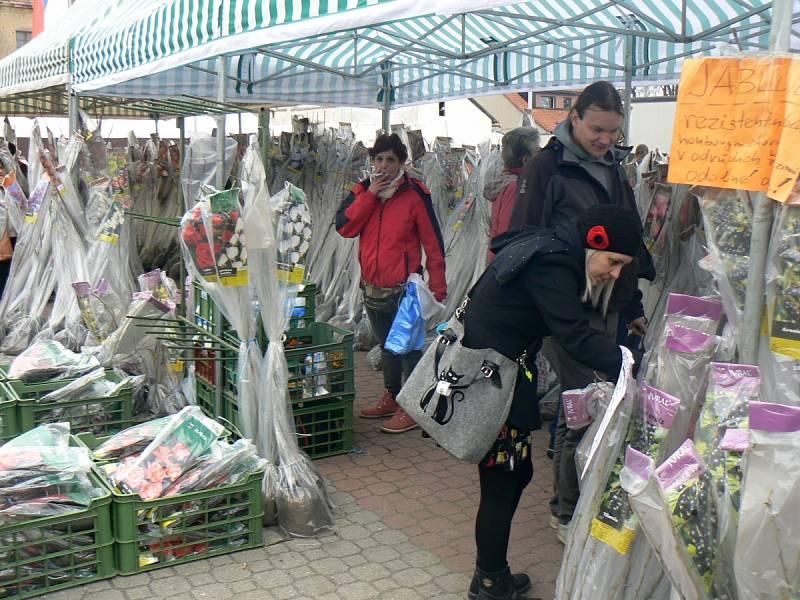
x=346 y=52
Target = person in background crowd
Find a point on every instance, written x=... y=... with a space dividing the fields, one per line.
x=580 y=167
x=640 y=153
x=392 y=215
x=534 y=288
x=518 y=146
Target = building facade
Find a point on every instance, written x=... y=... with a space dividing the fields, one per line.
x=16 y=23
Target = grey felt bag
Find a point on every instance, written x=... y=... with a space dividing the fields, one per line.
x=460 y=396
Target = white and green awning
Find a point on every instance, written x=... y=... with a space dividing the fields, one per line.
x=44 y=61
x=334 y=51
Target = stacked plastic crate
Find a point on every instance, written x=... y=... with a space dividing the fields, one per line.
x=321 y=375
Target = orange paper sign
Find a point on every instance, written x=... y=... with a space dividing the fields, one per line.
x=734 y=117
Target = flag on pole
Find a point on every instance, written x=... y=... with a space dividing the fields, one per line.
x=47 y=12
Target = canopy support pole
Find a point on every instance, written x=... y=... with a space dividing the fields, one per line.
x=180 y=122
x=750 y=335
x=629 y=68
x=221 y=81
x=387 y=96
x=264 y=139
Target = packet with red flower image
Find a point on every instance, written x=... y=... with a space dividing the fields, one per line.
x=188 y=435
x=225 y=464
x=130 y=440
x=213 y=237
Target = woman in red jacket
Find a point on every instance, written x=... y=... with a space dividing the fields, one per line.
x=392 y=215
x=518 y=145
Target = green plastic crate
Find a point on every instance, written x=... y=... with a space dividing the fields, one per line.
x=205 y=310
x=320 y=372
x=53 y=553
x=326 y=428
x=151 y=534
x=99 y=415
x=8 y=414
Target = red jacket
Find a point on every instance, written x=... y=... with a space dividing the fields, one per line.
x=392 y=234
x=502 y=207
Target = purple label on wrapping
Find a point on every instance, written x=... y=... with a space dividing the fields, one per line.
x=682 y=304
x=576 y=409
x=102 y=287
x=767 y=416
x=153 y=277
x=638 y=462
x=721 y=372
x=683 y=339
x=682 y=466
x=735 y=440
x=82 y=289
x=659 y=407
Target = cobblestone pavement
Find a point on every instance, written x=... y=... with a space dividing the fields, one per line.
x=405 y=521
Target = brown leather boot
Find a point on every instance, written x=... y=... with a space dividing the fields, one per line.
x=384 y=407
x=399 y=423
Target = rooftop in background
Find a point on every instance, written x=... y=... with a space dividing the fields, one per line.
x=548 y=118
x=16 y=4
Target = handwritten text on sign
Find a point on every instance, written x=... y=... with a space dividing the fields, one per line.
x=731 y=117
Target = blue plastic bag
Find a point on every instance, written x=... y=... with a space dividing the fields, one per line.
x=408 y=328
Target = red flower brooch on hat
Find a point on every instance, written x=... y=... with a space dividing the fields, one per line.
x=597 y=238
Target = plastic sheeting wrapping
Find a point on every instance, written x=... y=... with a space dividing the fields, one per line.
x=583 y=571
x=779 y=352
x=767 y=558
x=278 y=230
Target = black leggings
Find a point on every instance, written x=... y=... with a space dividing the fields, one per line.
x=500 y=494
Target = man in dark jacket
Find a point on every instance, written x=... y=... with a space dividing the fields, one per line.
x=392 y=216
x=579 y=168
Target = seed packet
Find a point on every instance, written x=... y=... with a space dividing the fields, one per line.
x=130 y=440
x=187 y=436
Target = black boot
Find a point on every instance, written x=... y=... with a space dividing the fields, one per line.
x=498 y=585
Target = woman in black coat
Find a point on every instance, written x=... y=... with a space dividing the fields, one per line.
x=536 y=287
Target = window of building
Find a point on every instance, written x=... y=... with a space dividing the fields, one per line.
x=23 y=37
x=567 y=102
x=547 y=102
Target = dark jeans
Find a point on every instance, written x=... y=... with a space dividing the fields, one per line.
x=572 y=375
x=500 y=494
x=396 y=369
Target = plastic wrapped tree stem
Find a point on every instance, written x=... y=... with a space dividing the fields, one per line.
x=275 y=227
x=767 y=558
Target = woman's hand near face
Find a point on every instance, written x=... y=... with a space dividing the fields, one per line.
x=379 y=182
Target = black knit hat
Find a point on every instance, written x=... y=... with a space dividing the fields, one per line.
x=611 y=228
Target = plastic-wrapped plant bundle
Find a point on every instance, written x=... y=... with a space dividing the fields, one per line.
x=49 y=360
x=41 y=476
x=597 y=396
x=613 y=531
x=731 y=389
x=293 y=490
x=664 y=505
x=580 y=554
x=175 y=450
x=130 y=441
x=225 y=464
x=726 y=214
x=683 y=372
x=97 y=307
x=700 y=314
x=780 y=359
x=131 y=341
x=216 y=253
x=767 y=558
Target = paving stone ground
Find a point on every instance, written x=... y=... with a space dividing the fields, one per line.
x=405 y=521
